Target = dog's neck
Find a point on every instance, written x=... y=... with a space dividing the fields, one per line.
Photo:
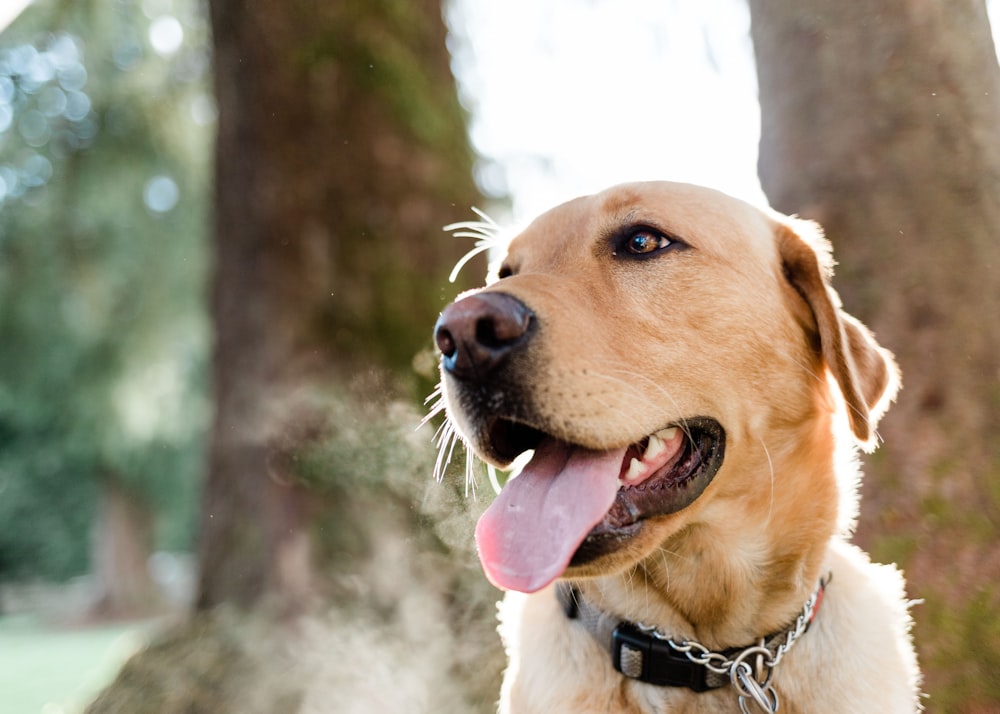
x=717 y=580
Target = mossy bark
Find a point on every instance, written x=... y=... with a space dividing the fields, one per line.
x=334 y=572
x=882 y=121
x=342 y=151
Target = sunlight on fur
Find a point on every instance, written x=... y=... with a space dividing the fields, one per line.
x=490 y=238
x=695 y=395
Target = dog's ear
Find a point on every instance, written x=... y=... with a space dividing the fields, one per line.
x=866 y=373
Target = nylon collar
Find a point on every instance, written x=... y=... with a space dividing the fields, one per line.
x=642 y=653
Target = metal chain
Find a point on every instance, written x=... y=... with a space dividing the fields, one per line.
x=801 y=623
x=754 y=683
x=749 y=682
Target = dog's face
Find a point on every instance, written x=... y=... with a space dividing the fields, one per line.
x=657 y=346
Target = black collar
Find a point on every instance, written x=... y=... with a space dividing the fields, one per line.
x=644 y=654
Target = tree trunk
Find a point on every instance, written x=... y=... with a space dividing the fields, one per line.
x=122 y=545
x=882 y=121
x=341 y=152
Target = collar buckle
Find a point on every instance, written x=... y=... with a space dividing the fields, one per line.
x=641 y=656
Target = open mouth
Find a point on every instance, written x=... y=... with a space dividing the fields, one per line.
x=571 y=505
x=653 y=487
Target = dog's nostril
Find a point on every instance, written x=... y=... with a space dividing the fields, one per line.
x=445 y=341
x=490 y=333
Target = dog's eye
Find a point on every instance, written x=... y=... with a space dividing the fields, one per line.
x=504 y=272
x=645 y=241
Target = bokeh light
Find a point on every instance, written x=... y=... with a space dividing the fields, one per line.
x=161 y=194
x=166 y=35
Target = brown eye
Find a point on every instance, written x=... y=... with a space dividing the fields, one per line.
x=645 y=241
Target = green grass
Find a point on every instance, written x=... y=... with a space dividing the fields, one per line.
x=46 y=669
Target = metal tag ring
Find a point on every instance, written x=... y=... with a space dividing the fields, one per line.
x=763 y=696
x=740 y=663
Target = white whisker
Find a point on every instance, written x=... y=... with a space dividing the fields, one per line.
x=435 y=400
x=435 y=409
x=770 y=468
x=481 y=246
x=453 y=439
x=485 y=226
x=485 y=232
x=470 y=474
x=666 y=568
x=674 y=554
x=446 y=437
x=445 y=444
x=436 y=393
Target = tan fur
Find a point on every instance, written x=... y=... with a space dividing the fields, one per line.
x=743 y=326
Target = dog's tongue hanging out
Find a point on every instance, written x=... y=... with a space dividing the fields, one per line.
x=529 y=534
x=527 y=538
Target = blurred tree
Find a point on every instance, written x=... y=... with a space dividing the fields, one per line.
x=104 y=129
x=341 y=152
x=882 y=121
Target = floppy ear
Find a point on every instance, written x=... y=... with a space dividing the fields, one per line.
x=865 y=372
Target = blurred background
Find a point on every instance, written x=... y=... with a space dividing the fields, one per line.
x=221 y=257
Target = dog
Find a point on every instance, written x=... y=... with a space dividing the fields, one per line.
x=694 y=396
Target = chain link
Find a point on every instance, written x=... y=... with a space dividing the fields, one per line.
x=801 y=623
x=696 y=652
x=748 y=683
x=754 y=684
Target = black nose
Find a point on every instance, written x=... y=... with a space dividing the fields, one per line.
x=476 y=333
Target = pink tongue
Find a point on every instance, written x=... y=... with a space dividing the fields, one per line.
x=529 y=534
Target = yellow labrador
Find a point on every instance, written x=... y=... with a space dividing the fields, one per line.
x=693 y=395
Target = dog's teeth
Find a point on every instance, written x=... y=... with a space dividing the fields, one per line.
x=654 y=448
x=667 y=434
x=657 y=444
x=634 y=471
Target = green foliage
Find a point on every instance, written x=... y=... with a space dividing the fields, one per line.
x=961 y=629
x=103 y=182
x=382 y=47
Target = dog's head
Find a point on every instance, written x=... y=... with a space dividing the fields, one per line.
x=661 y=348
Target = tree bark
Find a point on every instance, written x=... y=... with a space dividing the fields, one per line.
x=882 y=121
x=122 y=544
x=341 y=152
